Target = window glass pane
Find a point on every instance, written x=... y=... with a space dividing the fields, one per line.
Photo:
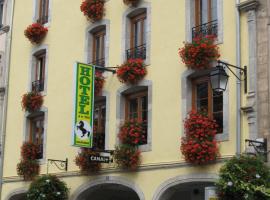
x=99 y=123
x=37 y=133
x=1 y=12
x=202 y=96
x=217 y=101
x=219 y=119
x=133 y=106
x=204 y=11
x=214 y=10
x=144 y=31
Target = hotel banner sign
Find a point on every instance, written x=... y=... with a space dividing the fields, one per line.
x=82 y=135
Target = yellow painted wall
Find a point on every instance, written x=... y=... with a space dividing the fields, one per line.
x=66 y=44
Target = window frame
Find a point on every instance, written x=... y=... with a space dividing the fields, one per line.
x=133 y=20
x=100 y=34
x=40 y=65
x=40 y=16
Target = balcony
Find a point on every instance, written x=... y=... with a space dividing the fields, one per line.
x=100 y=62
x=210 y=28
x=42 y=20
x=38 y=85
x=137 y=52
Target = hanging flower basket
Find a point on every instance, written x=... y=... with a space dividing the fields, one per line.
x=35 y=32
x=93 y=9
x=131 y=2
x=99 y=82
x=199 y=145
x=132 y=133
x=244 y=177
x=132 y=71
x=83 y=161
x=29 y=169
x=29 y=151
x=32 y=101
x=200 y=53
x=48 y=187
x=127 y=156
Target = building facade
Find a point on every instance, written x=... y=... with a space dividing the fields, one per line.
x=152 y=31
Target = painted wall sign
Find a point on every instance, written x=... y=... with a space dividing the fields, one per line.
x=102 y=159
x=82 y=135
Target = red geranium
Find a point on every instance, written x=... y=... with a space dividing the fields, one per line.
x=35 y=32
x=199 y=145
x=93 y=9
x=200 y=53
x=85 y=164
x=127 y=156
x=28 y=169
x=99 y=82
x=32 y=101
x=132 y=132
x=132 y=71
x=29 y=151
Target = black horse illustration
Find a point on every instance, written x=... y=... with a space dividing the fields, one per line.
x=82 y=129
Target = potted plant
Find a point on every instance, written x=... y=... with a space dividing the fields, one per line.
x=131 y=2
x=35 y=32
x=32 y=101
x=132 y=133
x=244 y=177
x=48 y=187
x=132 y=71
x=99 y=82
x=93 y=9
x=29 y=151
x=127 y=156
x=85 y=164
x=200 y=52
x=199 y=145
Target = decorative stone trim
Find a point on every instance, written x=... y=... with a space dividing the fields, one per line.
x=16 y=192
x=206 y=177
x=248 y=5
x=107 y=180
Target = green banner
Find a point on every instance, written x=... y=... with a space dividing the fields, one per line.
x=83 y=105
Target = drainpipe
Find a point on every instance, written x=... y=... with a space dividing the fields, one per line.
x=6 y=84
x=238 y=83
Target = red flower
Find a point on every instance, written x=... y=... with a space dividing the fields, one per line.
x=199 y=145
x=28 y=169
x=93 y=9
x=132 y=71
x=29 y=151
x=199 y=53
x=32 y=101
x=35 y=32
x=99 y=82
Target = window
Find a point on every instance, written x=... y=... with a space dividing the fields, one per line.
x=39 y=71
x=137 y=37
x=99 y=123
x=36 y=131
x=43 y=11
x=99 y=48
x=1 y=12
x=136 y=107
x=205 y=100
x=205 y=11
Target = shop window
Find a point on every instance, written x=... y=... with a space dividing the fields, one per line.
x=39 y=71
x=206 y=101
x=99 y=47
x=136 y=107
x=36 y=131
x=99 y=123
x=137 y=37
x=43 y=11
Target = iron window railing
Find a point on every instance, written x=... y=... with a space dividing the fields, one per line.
x=210 y=28
x=38 y=85
x=43 y=20
x=136 y=52
x=100 y=62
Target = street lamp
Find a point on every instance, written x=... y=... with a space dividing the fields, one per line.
x=219 y=77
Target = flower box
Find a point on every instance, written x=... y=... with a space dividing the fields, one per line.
x=200 y=53
x=32 y=101
x=93 y=9
x=29 y=169
x=35 y=32
x=132 y=71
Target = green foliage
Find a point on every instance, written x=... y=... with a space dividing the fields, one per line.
x=47 y=187
x=244 y=177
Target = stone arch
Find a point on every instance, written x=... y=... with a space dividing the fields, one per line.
x=18 y=194
x=164 y=188
x=105 y=181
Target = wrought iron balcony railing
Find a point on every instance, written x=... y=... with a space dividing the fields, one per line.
x=137 y=52
x=99 y=62
x=210 y=28
x=43 y=20
x=38 y=85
